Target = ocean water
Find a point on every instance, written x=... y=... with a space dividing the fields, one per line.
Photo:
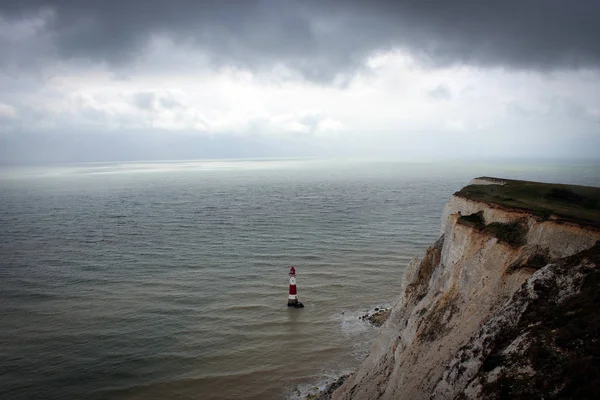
x=169 y=279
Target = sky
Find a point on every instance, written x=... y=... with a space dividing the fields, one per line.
x=88 y=81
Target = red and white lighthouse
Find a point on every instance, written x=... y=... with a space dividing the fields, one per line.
x=293 y=294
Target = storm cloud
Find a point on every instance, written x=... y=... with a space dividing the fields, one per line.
x=317 y=38
x=137 y=79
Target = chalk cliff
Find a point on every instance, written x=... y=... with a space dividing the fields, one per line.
x=502 y=304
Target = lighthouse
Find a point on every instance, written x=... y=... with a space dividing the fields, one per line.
x=293 y=294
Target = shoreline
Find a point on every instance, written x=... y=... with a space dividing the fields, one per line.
x=376 y=317
x=326 y=393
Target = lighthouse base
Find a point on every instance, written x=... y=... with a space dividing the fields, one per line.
x=295 y=303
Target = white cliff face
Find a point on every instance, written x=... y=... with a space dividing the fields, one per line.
x=560 y=238
x=542 y=343
x=446 y=297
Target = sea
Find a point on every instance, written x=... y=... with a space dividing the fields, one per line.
x=169 y=280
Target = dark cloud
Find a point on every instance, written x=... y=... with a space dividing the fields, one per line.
x=321 y=38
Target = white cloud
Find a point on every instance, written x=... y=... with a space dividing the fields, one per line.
x=440 y=92
x=593 y=113
x=7 y=111
x=386 y=108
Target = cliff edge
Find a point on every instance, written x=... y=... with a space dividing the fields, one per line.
x=501 y=305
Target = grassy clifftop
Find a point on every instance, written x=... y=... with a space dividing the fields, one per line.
x=575 y=203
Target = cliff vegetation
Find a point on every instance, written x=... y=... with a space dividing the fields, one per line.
x=570 y=202
x=502 y=306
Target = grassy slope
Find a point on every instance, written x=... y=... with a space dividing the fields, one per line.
x=570 y=202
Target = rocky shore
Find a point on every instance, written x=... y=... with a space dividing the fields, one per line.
x=377 y=317
x=326 y=393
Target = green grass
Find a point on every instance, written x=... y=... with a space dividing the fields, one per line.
x=513 y=233
x=568 y=202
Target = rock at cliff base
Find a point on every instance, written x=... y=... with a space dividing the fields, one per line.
x=379 y=317
x=326 y=393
